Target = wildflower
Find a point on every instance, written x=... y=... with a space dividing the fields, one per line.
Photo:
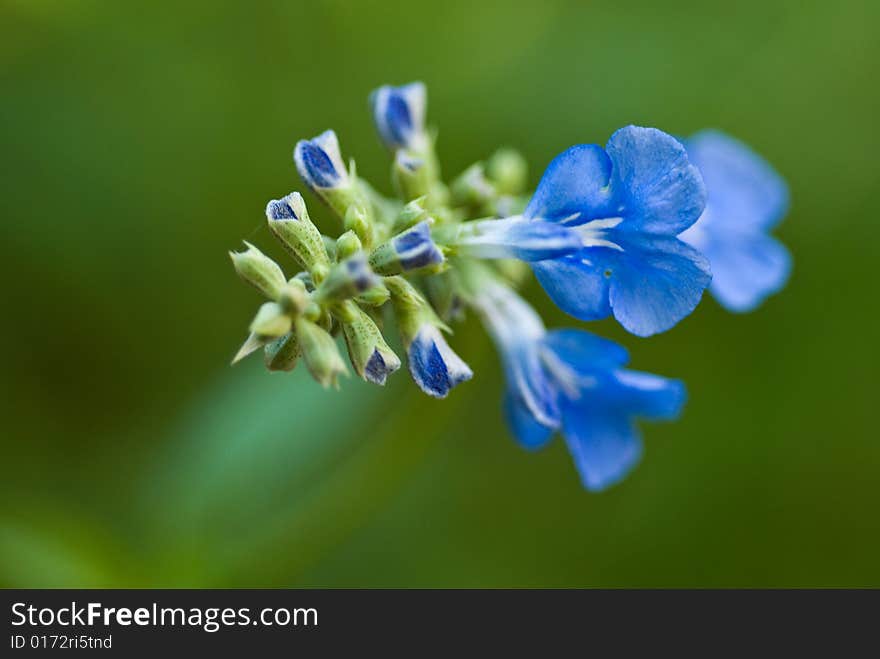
x=746 y=199
x=572 y=381
x=627 y=203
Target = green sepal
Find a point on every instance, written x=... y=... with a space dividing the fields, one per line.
x=282 y=353
x=271 y=321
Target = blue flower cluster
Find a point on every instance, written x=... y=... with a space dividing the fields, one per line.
x=637 y=230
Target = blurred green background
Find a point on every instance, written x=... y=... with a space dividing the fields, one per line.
x=139 y=142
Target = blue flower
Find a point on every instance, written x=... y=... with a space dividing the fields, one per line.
x=434 y=366
x=399 y=114
x=627 y=203
x=574 y=382
x=319 y=162
x=746 y=199
x=516 y=238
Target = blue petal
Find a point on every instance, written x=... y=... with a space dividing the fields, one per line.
x=584 y=352
x=359 y=273
x=527 y=431
x=746 y=269
x=377 y=370
x=744 y=191
x=574 y=183
x=644 y=395
x=399 y=114
x=416 y=248
x=654 y=282
x=434 y=367
x=318 y=168
x=529 y=383
x=604 y=444
x=279 y=209
x=519 y=239
x=653 y=181
x=577 y=284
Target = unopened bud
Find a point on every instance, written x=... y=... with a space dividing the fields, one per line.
x=346 y=279
x=433 y=365
x=320 y=353
x=375 y=296
x=370 y=355
x=508 y=171
x=259 y=271
x=411 y=214
x=411 y=176
x=294 y=297
x=347 y=245
x=271 y=321
x=410 y=250
x=472 y=188
x=289 y=220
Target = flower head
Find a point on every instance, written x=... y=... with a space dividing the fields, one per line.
x=746 y=199
x=627 y=203
x=573 y=381
x=399 y=115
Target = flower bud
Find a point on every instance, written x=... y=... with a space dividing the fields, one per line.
x=508 y=171
x=411 y=176
x=357 y=220
x=371 y=357
x=399 y=115
x=375 y=296
x=282 y=353
x=289 y=220
x=271 y=321
x=347 y=245
x=472 y=188
x=346 y=279
x=320 y=166
x=411 y=214
x=407 y=251
x=294 y=298
x=259 y=271
x=319 y=163
x=320 y=353
x=433 y=365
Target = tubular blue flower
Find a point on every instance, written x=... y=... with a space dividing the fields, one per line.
x=319 y=162
x=517 y=238
x=627 y=203
x=746 y=199
x=399 y=114
x=575 y=382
